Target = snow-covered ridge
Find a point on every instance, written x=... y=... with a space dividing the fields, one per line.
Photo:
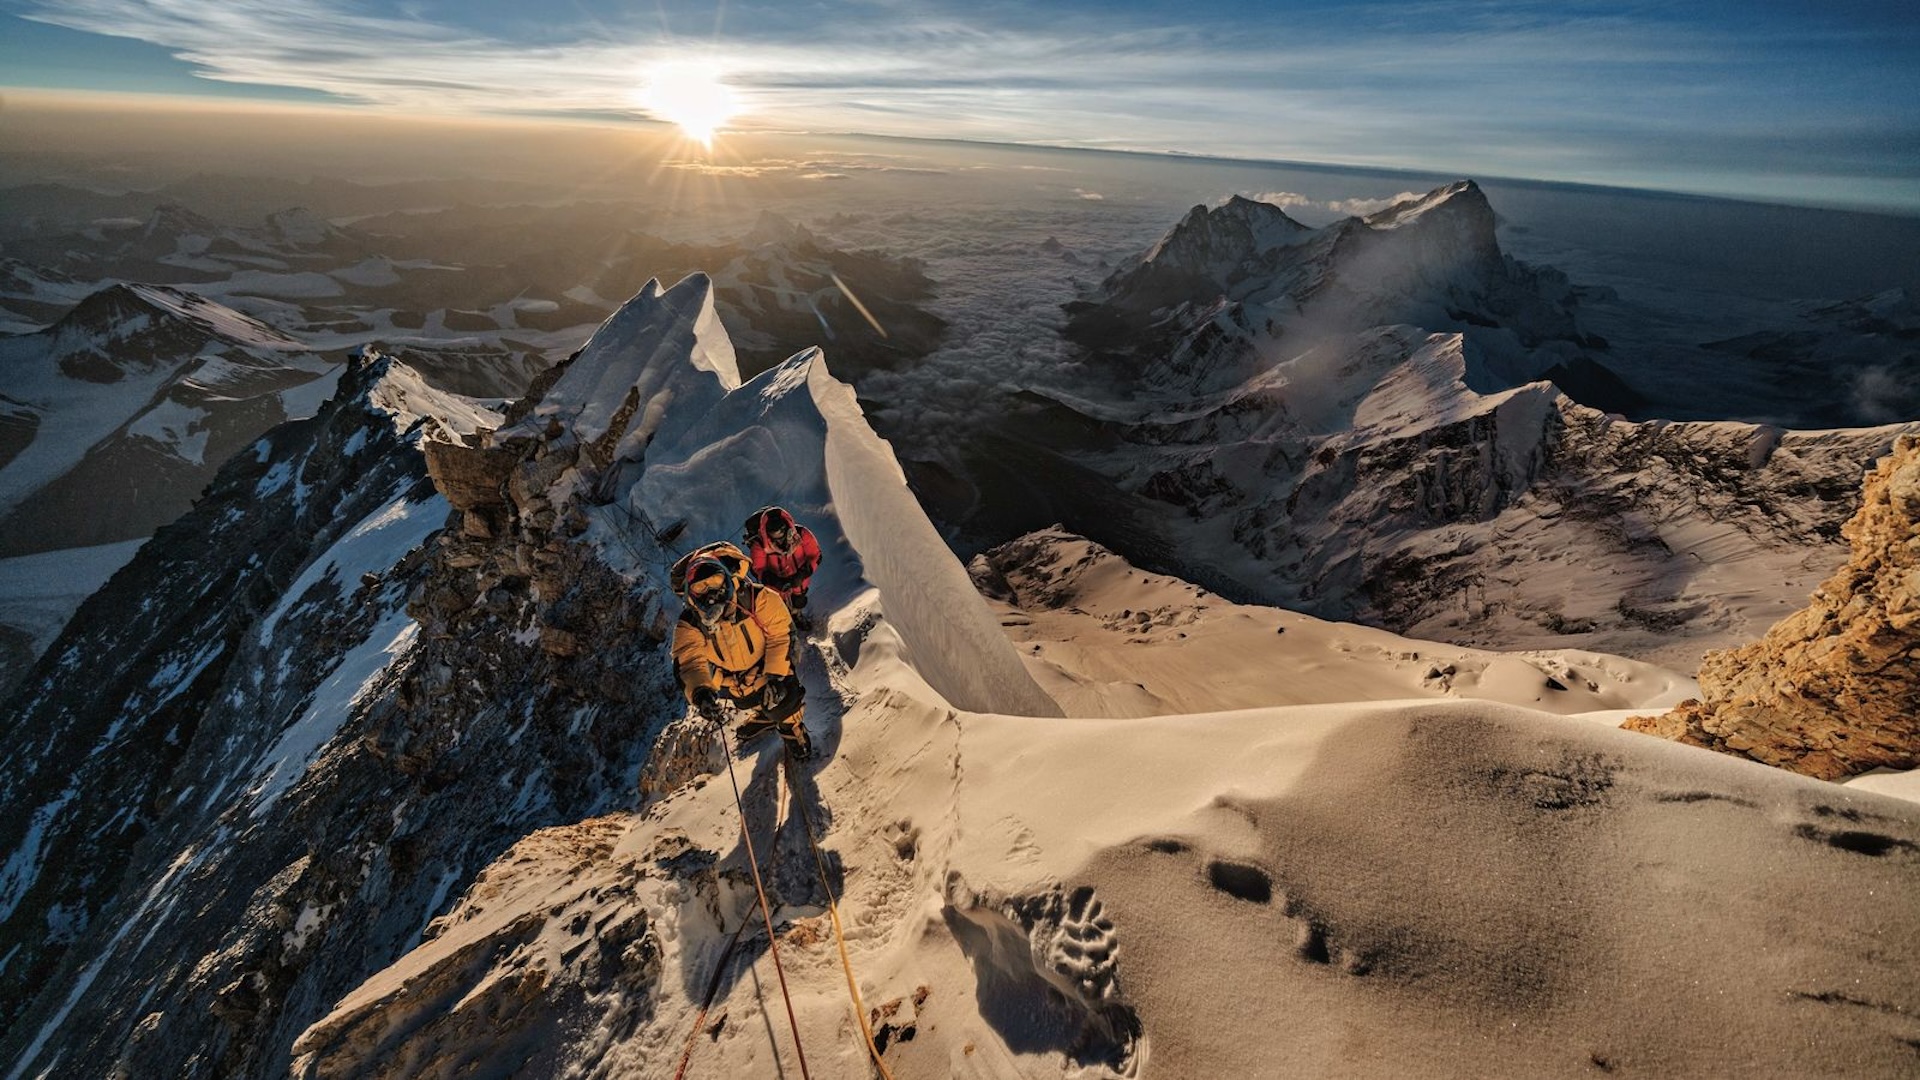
x=113 y=333
x=1461 y=197
x=696 y=449
x=631 y=369
x=1137 y=881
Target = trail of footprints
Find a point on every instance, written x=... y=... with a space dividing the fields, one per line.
x=1244 y=881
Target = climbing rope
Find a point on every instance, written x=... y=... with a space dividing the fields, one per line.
x=766 y=914
x=766 y=911
x=833 y=913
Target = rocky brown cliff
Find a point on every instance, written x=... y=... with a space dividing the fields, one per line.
x=1834 y=689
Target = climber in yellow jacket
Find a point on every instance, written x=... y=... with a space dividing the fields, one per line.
x=734 y=642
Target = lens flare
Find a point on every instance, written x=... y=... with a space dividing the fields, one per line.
x=692 y=96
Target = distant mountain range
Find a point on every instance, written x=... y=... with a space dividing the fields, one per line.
x=118 y=414
x=1388 y=420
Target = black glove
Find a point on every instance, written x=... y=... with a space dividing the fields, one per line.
x=707 y=704
x=798 y=601
x=779 y=688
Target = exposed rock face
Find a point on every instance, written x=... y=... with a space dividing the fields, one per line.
x=471 y=477
x=1832 y=690
x=136 y=674
x=583 y=948
x=299 y=745
x=1370 y=483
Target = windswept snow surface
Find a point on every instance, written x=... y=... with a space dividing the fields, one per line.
x=1107 y=639
x=1263 y=859
x=1435 y=888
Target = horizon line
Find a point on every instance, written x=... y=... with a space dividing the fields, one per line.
x=211 y=103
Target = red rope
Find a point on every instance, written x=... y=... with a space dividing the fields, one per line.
x=766 y=911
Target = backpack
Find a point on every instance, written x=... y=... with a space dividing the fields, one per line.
x=750 y=528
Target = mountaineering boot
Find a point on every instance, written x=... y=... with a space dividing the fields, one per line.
x=798 y=743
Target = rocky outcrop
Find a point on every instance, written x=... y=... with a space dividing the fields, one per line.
x=1832 y=690
x=517 y=963
x=472 y=675
x=473 y=478
x=163 y=678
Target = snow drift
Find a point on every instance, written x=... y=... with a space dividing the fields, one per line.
x=1447 y=887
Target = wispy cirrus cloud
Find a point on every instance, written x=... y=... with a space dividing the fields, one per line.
x=1579 y=90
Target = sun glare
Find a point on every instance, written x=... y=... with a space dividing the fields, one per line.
x=691 y=96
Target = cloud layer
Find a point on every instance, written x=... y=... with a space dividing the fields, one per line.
x=1692 y=96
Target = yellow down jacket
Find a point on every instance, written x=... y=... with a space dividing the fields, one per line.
x=737 y=653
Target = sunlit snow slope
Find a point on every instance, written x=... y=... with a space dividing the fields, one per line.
x=1253 y=860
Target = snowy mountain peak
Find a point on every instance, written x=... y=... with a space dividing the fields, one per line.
x=650 y=369
x=301 y=227
x=1459 y=196
x=1208 y=250
x=115 y=306
x=1459 y=213
x=772 y=229
x=1223 y=236
x=173 y=219
x=1209 y=306
x=132 y=327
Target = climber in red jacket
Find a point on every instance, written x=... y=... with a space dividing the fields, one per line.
x=784 y=554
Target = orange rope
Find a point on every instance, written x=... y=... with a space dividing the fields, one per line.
x=766 y=911
x=839 y=935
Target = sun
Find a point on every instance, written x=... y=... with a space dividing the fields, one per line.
x=692 y=96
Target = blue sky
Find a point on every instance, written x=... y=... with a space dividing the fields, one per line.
x=1799 y=101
